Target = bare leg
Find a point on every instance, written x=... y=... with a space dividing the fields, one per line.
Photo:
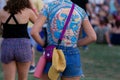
x=23 y=69
x=33 y=60
x=107 y=37
x=71 y=78
x=32 y=66
x=45 y=77
x=9 y=70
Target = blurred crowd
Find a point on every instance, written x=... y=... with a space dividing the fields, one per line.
x=104 y=16
x=105 y=19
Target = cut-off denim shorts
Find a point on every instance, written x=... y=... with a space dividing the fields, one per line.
x=73 y=62
x=16 y=49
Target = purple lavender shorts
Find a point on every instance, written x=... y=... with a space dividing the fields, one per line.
x=16 y=49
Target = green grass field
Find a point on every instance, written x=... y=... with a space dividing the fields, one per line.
x=100 y=62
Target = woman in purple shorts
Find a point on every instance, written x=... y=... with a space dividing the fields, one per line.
x=16 y=53
x=55 y=13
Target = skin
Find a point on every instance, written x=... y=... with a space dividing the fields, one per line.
x=25 y=16
x=91 y=37
x=34 y=8
x=37 y=5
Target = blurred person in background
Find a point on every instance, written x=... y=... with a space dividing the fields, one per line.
x=115 y=33
x=37 y=5
x=102 y=31
x=33 y=45
x=112 y=6
x=16 y=52
x=117 y=14
x=56 y=13
x=96 y=5
x=43 y=33
x=117 y=3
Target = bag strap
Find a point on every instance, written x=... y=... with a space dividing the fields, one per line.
x=66 y=23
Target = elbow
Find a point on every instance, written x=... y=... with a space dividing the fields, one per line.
x=94 y=38
x=32 y=33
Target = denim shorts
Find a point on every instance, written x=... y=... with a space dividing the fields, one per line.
x=73 y=63
x=16 y=49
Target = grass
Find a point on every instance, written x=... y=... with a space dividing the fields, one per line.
x=100 y=62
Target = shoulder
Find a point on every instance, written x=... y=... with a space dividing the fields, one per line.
x=29 y=11
x=2 y=12
x=81 y=11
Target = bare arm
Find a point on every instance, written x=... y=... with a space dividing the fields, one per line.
x=37 y=27
x=0 y=25
x=91 y=35
x=116 y=3
x=34 y=8
x=33 y=17
x=107 y=37
x=0 y=22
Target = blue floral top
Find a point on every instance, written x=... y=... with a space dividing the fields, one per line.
x=56 y=13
